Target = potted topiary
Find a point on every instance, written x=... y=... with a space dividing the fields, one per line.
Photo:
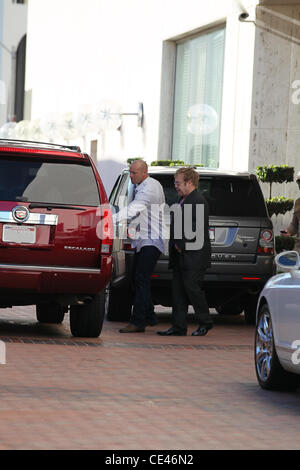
x=167 y=162
x=278 y=205
x=131 y=160
x=174 y=163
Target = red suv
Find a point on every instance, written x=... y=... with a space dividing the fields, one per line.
x=55 y=234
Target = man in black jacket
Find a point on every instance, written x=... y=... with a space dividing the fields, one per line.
x=189 y=254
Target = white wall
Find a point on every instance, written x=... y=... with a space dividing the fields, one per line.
x=14 y=26
x=83 y=52
x=275 y=126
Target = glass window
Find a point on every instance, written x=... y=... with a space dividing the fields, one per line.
x=124 y=195
x=114 y=190
x=233 y=197
x=198 y=98
x=35 y=180
x=226 y=196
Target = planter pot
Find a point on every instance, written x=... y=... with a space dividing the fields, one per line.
x=275 y=174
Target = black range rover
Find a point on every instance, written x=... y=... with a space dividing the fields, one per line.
x=241 y=234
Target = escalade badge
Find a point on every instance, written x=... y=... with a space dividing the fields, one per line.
x=20 y=213
x=79 y=248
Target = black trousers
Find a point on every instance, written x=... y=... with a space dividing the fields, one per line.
x=187 y=290
x=143 y=266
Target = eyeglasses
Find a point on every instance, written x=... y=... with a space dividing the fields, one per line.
x=298 y=181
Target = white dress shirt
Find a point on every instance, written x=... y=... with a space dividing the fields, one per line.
x=146 y=213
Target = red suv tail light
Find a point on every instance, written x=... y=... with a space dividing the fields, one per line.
x=266 y=242
x=39 y=151
x=107 y=232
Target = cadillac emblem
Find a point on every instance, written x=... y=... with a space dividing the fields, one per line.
x=20 y=213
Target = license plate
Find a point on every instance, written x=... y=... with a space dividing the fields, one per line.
x=212 y=234
x=19 y=234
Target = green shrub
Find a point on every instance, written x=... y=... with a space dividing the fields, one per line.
x=174 y=163
x=275 y=174
x=131 y=160
x=167 y=162
x=279 y=205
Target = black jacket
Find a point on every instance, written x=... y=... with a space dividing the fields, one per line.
x=190 y=257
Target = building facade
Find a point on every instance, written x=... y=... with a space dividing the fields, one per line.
x=189 y=63
x=215 y=87
x=13 y=28
x=275 y=117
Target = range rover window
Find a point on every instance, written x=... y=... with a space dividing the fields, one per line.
x=227 y=196
x=36 y=180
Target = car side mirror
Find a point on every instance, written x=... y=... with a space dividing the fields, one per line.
x=289 y=260
x=114 y=208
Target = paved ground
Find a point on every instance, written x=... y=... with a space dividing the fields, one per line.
x=137 y=391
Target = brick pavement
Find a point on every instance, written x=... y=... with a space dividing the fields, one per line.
x=137 y=391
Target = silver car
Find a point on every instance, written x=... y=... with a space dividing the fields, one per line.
x=277 y=336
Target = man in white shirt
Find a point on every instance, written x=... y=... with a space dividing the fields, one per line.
x=147 y=208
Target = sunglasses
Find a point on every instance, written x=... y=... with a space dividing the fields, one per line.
x=298 y=181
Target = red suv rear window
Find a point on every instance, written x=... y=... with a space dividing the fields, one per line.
x=49 y=181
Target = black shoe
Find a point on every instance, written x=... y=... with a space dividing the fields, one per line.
x=202 y=330
x=172 y=332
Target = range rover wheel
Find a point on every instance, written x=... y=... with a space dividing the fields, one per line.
x=270 y=374
x=50 y=313
x=118 y=304
x=87 y=320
